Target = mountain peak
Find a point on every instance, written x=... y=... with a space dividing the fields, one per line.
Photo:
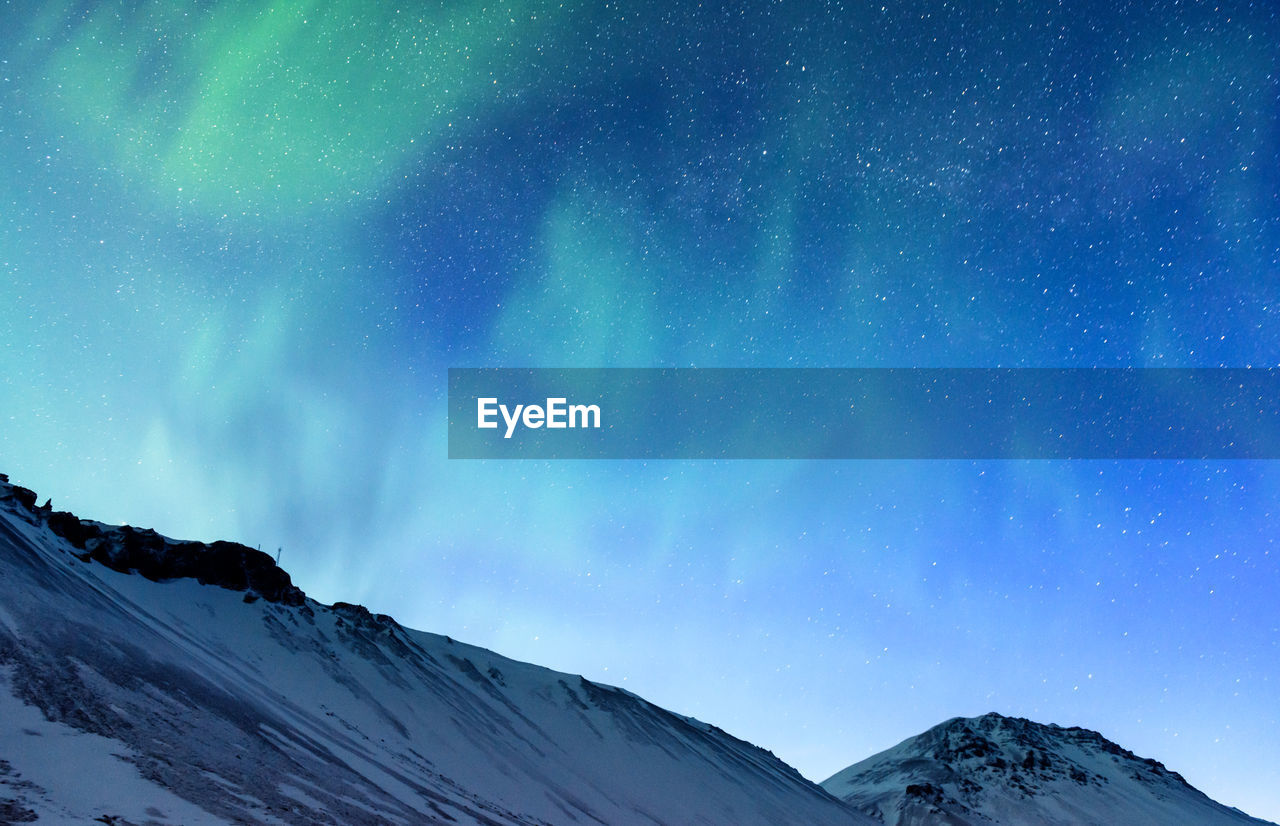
x=997 y=741
x=995 y=769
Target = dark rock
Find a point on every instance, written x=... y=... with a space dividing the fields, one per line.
x=12 y=811
x=925 y=791
x=23 y=496
x=135 y=550
x=67 y=526
x=356 y=613
x=361 y=617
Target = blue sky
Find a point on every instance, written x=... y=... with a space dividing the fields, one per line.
x=241 y=244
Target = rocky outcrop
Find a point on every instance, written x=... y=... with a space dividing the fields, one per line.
x=143 y=551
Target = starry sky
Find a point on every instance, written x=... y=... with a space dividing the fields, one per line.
x=242 y=242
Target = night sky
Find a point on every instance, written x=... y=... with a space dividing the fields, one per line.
x=241 y=243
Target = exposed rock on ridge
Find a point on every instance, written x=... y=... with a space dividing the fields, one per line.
x=139 y=550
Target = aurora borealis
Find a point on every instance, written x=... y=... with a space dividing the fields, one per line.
x=241 y=243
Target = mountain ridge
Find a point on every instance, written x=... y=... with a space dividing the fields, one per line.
x=211 y=690
x=151 y=680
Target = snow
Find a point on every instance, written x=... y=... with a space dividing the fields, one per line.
x=226 y=710
x=176 y=702
x=65 y=775
x=999 y=770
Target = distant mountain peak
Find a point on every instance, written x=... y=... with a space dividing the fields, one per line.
x=1016 y=745
x=995 y=769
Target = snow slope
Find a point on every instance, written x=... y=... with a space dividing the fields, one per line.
x=1002 y=770
x=225 y=695
x=148 y=681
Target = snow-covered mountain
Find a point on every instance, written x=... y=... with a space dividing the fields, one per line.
x=205 y=688
x=1006 y=770
x=149 y=681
